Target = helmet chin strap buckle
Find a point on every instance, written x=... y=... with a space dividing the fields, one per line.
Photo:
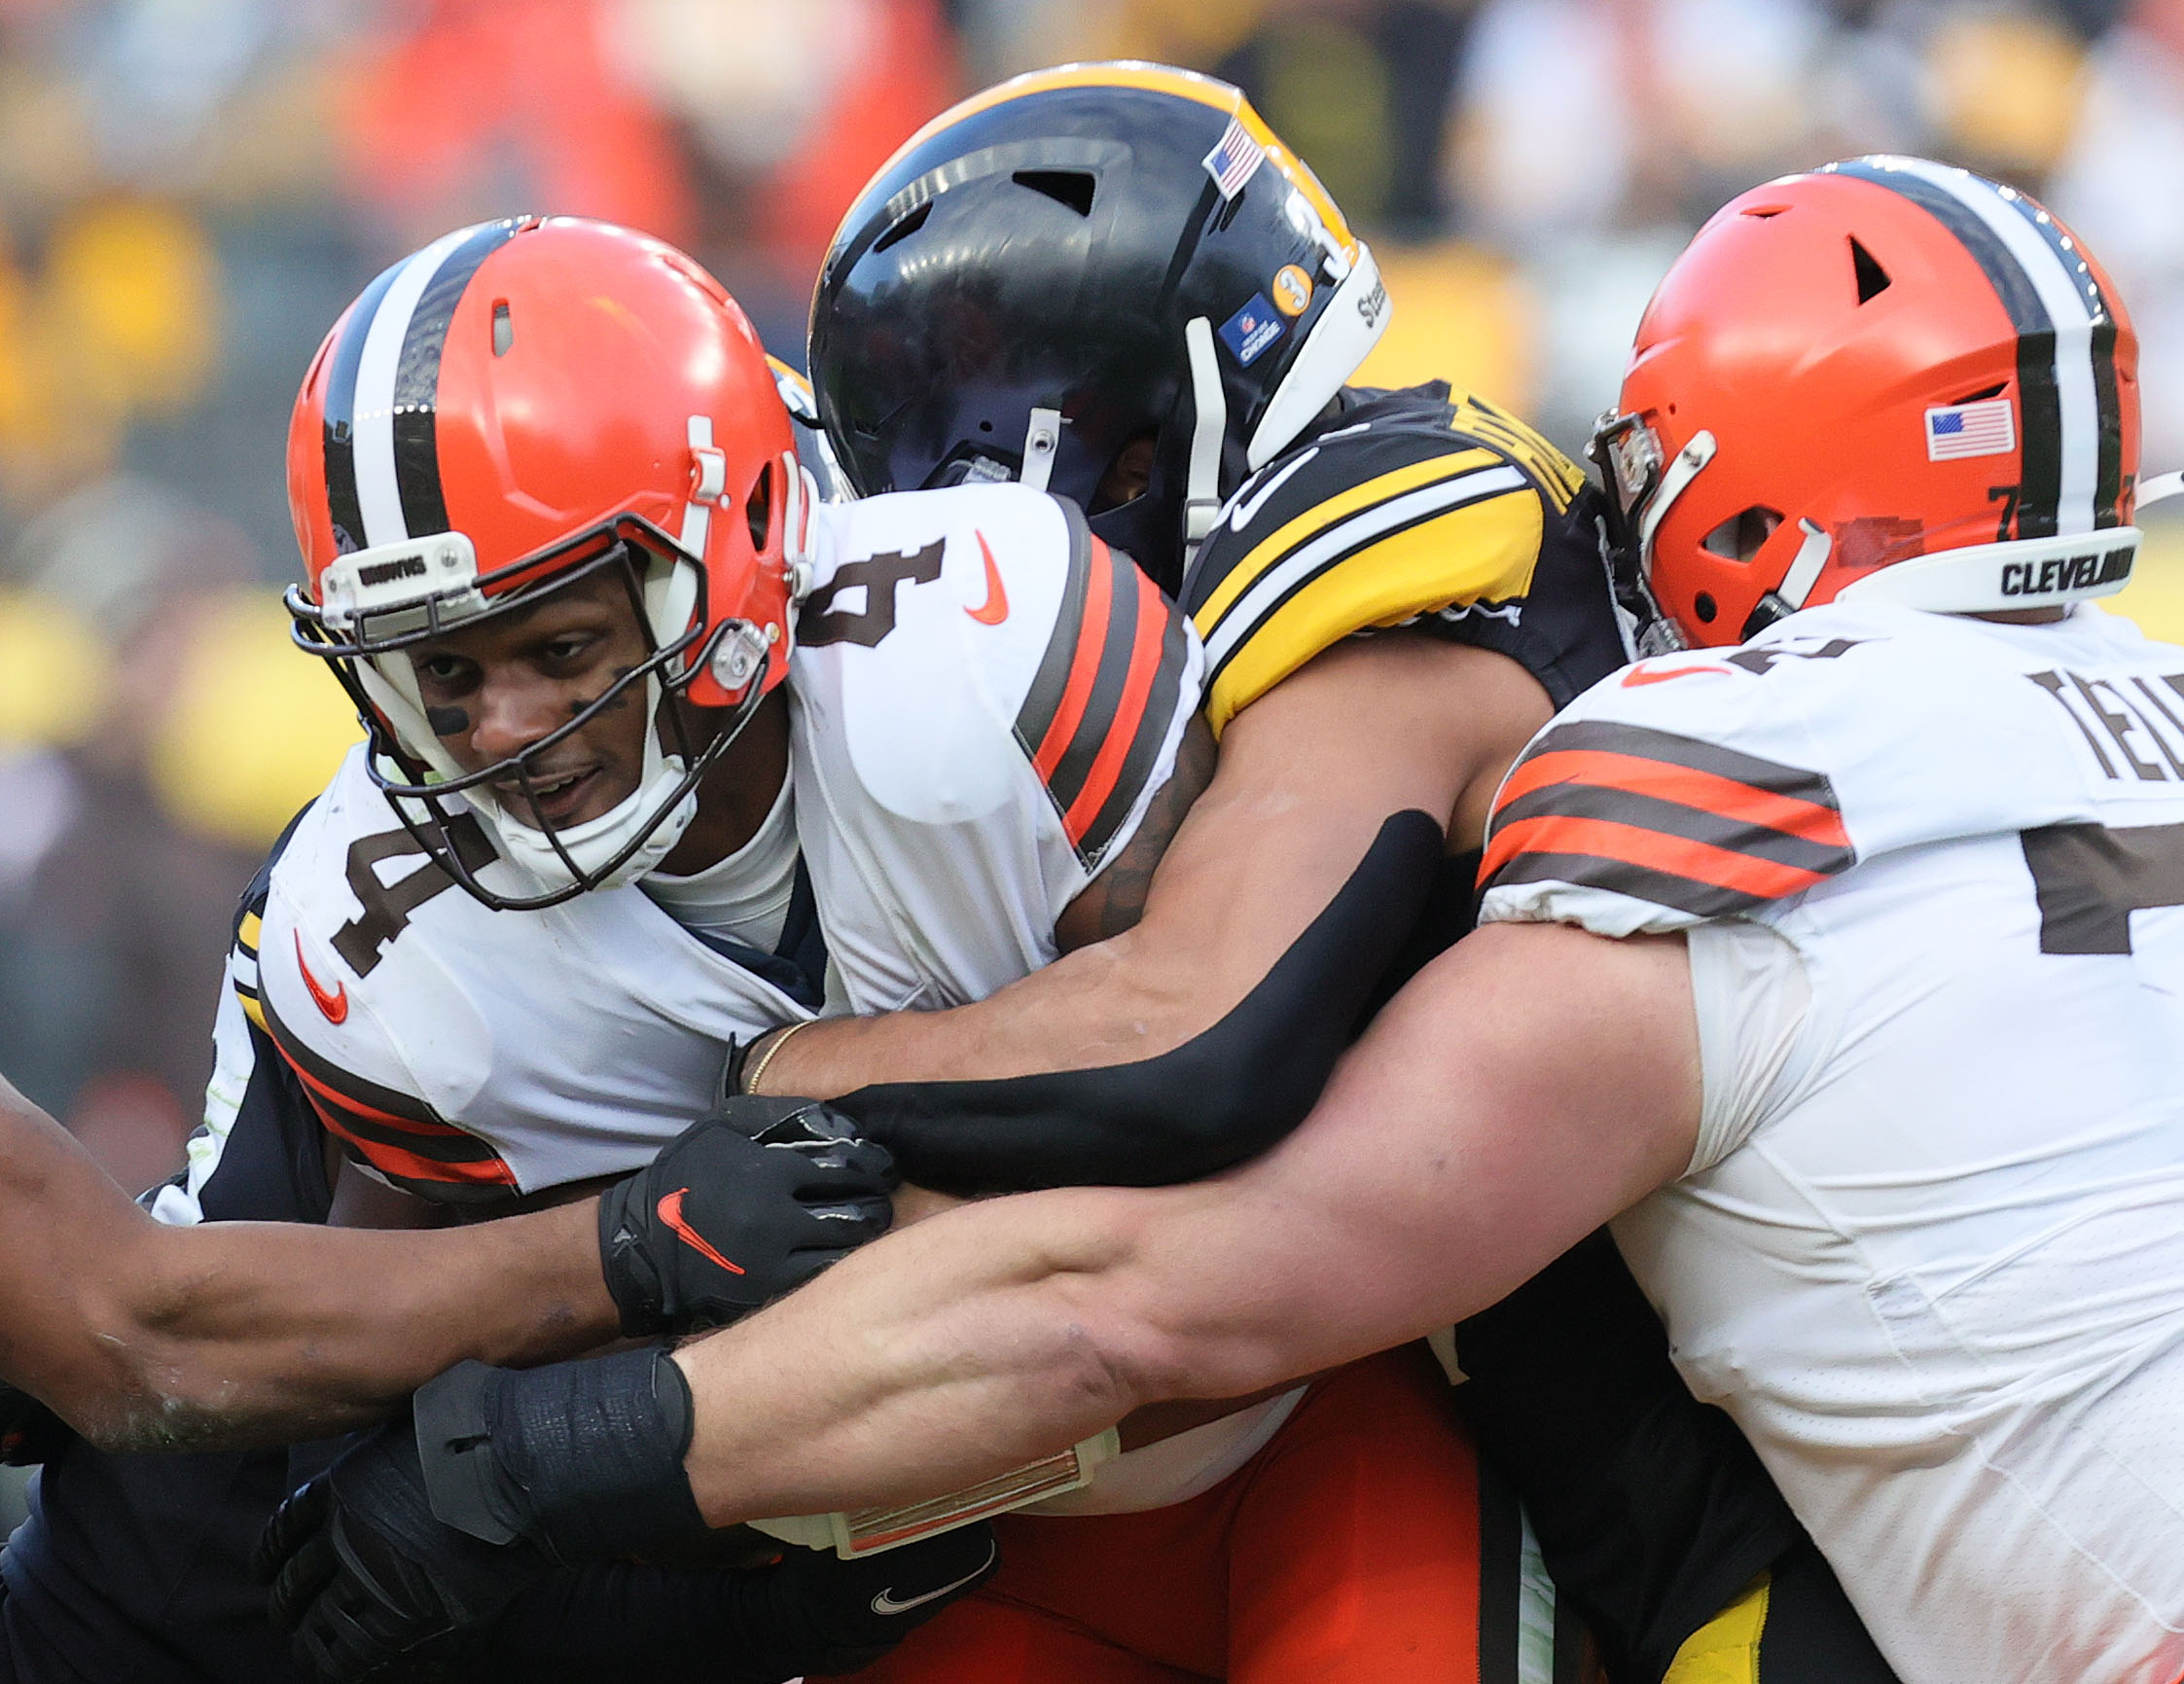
x=1042 y=437
x=738 y=654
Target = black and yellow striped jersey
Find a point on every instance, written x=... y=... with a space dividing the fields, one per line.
x=1423 y=505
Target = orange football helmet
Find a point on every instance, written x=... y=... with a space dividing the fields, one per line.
x=515 y=405
x=1888 y=378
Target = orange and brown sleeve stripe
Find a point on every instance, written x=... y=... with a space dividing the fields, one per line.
x=1675 y=820
x=1106 y=692
x=398 y=1135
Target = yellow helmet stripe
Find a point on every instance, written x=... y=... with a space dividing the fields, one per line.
x=1111 y=73
x=783 y=371
x=1299 y=174
x=1132 y=73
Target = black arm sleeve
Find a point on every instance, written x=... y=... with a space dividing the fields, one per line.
x=1221 y=1097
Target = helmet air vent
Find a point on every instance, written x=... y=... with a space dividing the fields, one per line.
x=1739 y=537
x=758 y=507
x=504 y=330
x=904 y=229
x=1872 y=280
x=1071 y=186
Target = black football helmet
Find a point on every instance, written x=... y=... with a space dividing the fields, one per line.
x=1076 y=260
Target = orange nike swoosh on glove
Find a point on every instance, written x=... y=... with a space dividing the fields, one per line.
x=670 y=1210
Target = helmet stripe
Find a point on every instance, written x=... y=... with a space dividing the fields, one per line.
x=2039 y=398
x=339 y=428
x=2108 y=482
x=417 y=381
x=378 y=494
x=2071 y=452
x=1130 y=73
x=2077 y=310
x=378 y=488
x=1108 y=73
x=2108 y=442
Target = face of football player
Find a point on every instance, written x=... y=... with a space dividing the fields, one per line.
x=492 y=689
x=1128 y=476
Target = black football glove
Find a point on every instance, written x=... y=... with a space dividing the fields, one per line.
x=30 y=1433
x=369 y=1583
x=737 y=1209
x=424 y=1531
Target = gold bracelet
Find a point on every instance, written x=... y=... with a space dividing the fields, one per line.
x=780 y=1039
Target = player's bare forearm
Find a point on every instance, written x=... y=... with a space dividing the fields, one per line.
x=254 y=1331
x=144 y=1336
x=1305 y=777
x=940 y=1355
x=1525 y=1087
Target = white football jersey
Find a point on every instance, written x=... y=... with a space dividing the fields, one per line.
x=983 y=700
x=1930 y=1248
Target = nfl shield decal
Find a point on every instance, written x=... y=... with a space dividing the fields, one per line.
x=1252 y=329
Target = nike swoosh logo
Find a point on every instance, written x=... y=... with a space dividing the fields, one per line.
x=1257 y=501
x=671 y=1208
x=335 y=1006
x=995 y=608
x=1638 y=675
x=885 y=1603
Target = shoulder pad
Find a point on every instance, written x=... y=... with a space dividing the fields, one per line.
x=307 y=984
x=1370 y=525
x=1638 y=829
x=1001 y=631
x=252 y=904
x=1707 y=784
x=1558 y=479
x=1685 y=788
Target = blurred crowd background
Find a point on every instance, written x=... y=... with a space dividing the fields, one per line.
x=191 y=191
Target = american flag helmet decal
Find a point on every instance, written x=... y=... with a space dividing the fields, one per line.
x=1988 y=428
x=1234 y=159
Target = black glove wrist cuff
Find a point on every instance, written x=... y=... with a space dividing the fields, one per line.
x=585 y=1457
x=633 y=1279
x=464 y=1482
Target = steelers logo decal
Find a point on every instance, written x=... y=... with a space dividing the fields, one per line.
x=1292 y=290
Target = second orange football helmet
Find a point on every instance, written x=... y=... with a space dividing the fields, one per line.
x=1889 y=378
